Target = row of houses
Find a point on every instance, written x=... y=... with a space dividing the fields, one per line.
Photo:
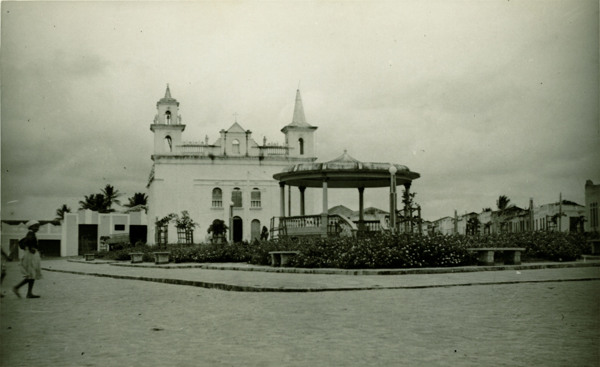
x=78 y=233
x=564 y=216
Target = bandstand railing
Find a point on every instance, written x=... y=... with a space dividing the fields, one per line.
x=311 y=225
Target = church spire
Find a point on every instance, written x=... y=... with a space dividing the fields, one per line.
x=299 y=119
x=168 y=92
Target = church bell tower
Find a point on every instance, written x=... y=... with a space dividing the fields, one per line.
x=167 y=126
x=299 y=134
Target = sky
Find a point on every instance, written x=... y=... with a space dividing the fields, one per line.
x=482 y=98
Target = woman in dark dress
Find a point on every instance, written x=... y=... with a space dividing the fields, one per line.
x=31 y=261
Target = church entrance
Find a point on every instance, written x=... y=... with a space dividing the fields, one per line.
x=238 y=227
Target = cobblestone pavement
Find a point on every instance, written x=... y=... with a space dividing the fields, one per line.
x=86 y=320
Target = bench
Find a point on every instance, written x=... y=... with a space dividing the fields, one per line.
x=90 y=257
x=281 y=258
x=512 y=255
x=137 y=257
x=161 y=257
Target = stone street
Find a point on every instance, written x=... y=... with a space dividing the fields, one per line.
x=84 y=320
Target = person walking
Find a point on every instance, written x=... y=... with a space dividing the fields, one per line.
x=3 y=265
x=31 y=261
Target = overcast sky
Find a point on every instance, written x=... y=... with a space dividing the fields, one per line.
x=482 y=98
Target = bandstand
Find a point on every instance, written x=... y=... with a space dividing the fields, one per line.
x=342 y=172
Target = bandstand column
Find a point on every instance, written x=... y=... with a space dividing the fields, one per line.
x=393 y=195
x=289 y=201
x=302 y=190
x=282 y=199
x=325 y=207
x=406 y=222
x=361 y=208
x=324 y=214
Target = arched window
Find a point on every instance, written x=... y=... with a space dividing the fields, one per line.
x=255 y=198
x=255 y=229
x=301 y=144
x=168 y=117
x=236 y=197
x=217 y=198
x=235 y=145
x=168 y=143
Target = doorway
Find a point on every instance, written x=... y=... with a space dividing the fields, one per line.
x=238 y=227
x=255 y=230
x=88 y=238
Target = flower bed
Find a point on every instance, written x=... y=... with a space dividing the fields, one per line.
x=380 y=251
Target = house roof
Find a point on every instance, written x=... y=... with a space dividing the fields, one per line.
x=342 y=210
x=16 y=222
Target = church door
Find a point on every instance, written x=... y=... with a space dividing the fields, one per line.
x=238 y=233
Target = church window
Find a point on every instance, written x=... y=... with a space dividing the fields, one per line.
x=217 y=198
x=255 y=198
x=168 y=117
x=235 y=146
x=169 y=143
x=301 y=144
x=236 y=197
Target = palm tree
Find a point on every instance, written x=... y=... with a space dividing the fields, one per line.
x=111 y=195
x=503 y=204
x=139 y=198
x=60 y=212
x=95 y=202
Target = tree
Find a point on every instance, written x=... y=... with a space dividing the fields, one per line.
x=60 y=212
x=503 y=203
x=185 y=227
x=162 y=229
x=138 y=199
x=111 y=196
x=218 y=229
x=95 y=202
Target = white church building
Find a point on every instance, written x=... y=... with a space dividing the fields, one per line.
x=230 y=179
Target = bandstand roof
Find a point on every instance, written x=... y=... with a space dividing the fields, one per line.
x=344 y=172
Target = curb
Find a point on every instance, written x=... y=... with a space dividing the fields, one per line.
x=329 y=271
x=238 y=288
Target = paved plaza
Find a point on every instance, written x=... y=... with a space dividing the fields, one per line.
x=99 y=314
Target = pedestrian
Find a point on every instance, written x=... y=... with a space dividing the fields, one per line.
x=31 y=261
x=264 y=234
x=3 y=267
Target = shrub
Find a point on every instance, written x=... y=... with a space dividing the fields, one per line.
x=379 y=251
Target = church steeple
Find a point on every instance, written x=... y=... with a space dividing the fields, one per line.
x=168 y=92
x=167 y=126
x=299 y=133
x=299 y=119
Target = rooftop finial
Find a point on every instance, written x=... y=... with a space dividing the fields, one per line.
x=168 y=92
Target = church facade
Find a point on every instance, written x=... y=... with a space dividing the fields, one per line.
x=230 y=179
